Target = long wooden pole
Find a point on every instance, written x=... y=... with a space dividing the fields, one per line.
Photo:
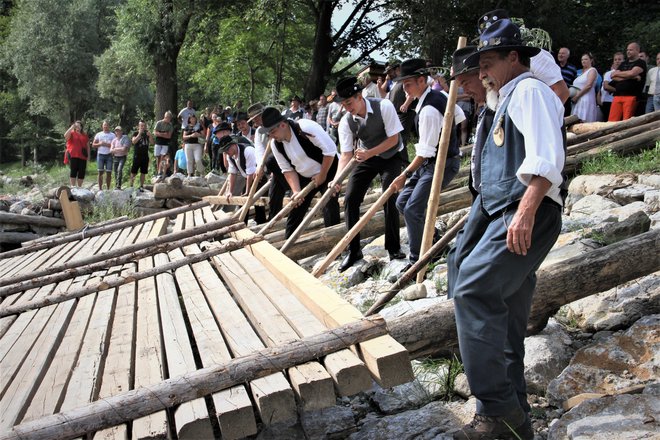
x=253 y=189
x=288 y=208
x=344 y=242
x=103 y=230
x=329 y=193
x=143 y=401
x=439 y=171
x=419 y=264
x=104 y=263
x=126 y=278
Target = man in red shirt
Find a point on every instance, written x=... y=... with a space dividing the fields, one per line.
x=77 y=152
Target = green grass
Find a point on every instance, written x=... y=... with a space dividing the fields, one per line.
x=647 y=161
x=441 y=372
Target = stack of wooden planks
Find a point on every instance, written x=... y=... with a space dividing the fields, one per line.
x=143 y=331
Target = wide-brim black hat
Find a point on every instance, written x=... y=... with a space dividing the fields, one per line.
x=502 y=35
x=458 y=66
x=348 y=87
x=412 y=68
x=225 y=142
x=487 y=19
x=224 y=125
x=271 y=117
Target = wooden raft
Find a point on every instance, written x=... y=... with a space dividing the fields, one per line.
x=62 y=356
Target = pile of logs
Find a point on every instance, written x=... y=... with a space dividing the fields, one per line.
x=18 y=228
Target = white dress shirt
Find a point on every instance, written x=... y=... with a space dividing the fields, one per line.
x=250 y=163
x=390 y=121
x=260 y=142
x=300 y=162
x=430 y=122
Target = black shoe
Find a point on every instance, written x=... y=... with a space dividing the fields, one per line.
x=515 y=425
x=398 y=255
x=350 y=259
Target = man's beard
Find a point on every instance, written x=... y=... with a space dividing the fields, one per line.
x=492 y=96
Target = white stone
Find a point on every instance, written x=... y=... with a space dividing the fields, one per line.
x=568 y=251
x=82 y=194
x=632 y=193
x=649 y=179
x=546 y=355
x=147 y=200
x=652 y=200
x=591 y=204
x=413 y=292
x=404 y=307
x=195 y=181
x=117 y=198
x=213 y=178
x=17 y=207
x=655 y=220
x=28 y=211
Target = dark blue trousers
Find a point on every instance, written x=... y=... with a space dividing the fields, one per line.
x=492 y=290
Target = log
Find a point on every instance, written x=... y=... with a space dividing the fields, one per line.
x=18 y=219
x=623 y=125
x=143 y=401
x=102 y=230
x=432 y=331
x=166 y=191
x=63 y=234
x=235 y=200
x=118 y=257
x=610 y=138
x=120 y=280
x=17 y=237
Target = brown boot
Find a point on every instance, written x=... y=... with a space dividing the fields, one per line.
x=515 y=425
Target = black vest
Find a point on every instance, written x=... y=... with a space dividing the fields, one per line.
x=439 y=101
x=312 y=151
x=373 y=131
x=241 y=158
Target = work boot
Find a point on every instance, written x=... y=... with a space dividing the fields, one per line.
x=350 y=259
x=515 y=425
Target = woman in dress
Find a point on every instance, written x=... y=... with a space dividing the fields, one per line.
x=584 y=101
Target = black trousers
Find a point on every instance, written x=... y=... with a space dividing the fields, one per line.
x=278 y=186
x=330 y=211
x=358 y=184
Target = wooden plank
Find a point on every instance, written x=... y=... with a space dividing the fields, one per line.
x=191 y=418
x=386 y=359
x=233 y=406
x=272 y=394
x=347 y=370
x=25 y=383
x=313 y=385
x=71 y=212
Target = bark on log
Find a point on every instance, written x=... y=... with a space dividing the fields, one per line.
x=140 y=402
x=432 y=331
x=86 y=233
x=623 y=125
x=17 y=237
x=165 y=191
x=235 y=200
x=610 y=138
x=18 y=219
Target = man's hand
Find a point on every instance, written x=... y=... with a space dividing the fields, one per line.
x=361 y=154
x=399 y=182
x=319 y=179
x=296 y=198
x=519 y=232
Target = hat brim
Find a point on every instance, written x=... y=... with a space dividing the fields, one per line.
x=282 y=118
x=412 y=75
x=468 y=69
x=253 y=117
x=473 y=59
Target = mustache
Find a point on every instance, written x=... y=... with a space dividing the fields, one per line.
x=488 y=83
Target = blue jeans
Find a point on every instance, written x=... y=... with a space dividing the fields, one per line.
x=656 y=102
x=118 y=166
x=104 y=162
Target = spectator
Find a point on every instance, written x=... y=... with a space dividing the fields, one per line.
x=244 y=128
x=607 y=90
x=103 y=141
x=335 y=112
x=369 y=87
x=163 y=132
x=119 y=150
x=141 y=140
x=164 y=169
x=226 y=115
x=322 y=112
x=628 y=79
x=584 y=100
x=186 y=113
x=77 y=153
x=653 y=87
x=210 y=139
x=180 y=161
x=192 y=147
x=222 y=129
x=568 y=72
x=295 y=112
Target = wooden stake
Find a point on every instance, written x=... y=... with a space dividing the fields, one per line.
x=321 y=203
x=70 y=209
x=439 y=171
x=288 y=208
x=253 y=189
x=343 y=243
x=143 y=401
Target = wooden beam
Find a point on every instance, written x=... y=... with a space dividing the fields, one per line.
x=18 y=219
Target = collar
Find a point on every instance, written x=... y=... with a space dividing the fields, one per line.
x=510 y=86
x=366 y=115
x=420 y=100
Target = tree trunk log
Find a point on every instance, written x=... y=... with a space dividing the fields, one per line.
x=101 y=230
x=19 y=219
x=140 y=402
x=623 y=125
x=432 y=331
x=166 y=191
x=610 y=138
x=17 y=237
x=235 y=200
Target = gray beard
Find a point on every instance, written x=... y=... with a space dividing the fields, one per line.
x=492 y=98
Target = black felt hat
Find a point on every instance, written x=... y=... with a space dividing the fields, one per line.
x=225 y=142
x=487 y=19
x=412 y=68
x=501 y=35
x=348 y=87
x=295 y=98
x=222 y=126
x=271 y=117
x=458 y=66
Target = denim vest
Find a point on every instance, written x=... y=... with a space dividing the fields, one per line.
x=373 y=131
x=499 y=185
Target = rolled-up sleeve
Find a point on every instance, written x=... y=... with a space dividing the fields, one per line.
x=390 y=118
x=346 y=138
x=430 y=124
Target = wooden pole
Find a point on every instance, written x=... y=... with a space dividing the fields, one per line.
x=129 y=277
x=343 y=243
x=236 y=201
x=623 y=125
x=613 y=137
x=100 y=264
x=36 y=220
x=419 y=264
x=102 y=230
x=439 y=171
x=253 y=188
x=324 y=201
x=288 y=208
x=143 y=401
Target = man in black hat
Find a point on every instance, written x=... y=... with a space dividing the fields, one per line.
x=513 y=223
x=304 y=153
x=295 y=112
x=431 y=107
x=217 y=158
x=370 y=132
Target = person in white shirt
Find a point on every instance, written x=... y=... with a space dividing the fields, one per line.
x=185 y=113
x=606 y=89
x=653 y=87
x=103 y=142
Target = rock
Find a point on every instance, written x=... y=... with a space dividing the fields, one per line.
x=591 y=204
x=546 y=355
x=364 y=295
x=174 y=203
x=462 y=386
x=652 y=200
x=632 y=193
x=195 y=181
x=212 y=178
x=36 y=197
x=175 y=180
x=649 y=180
x=336 y=422
x=568 y=251
x=350 y=277
x=117 y=198
x=586 y=185
x=413 y=292
x=393 y=269
x=17 y=207
x=395 y=309
x=27 y=181
x=82 y=195
x=47 y=212
x=623 y=212
x=619 y=307
x=623 y=417
x=655 y=220
x=428 y=385
x=27 y=211
x=147 y=200
x=620 y=361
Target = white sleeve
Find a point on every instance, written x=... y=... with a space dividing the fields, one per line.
x=459 y=115
x=231 y=168
x=318 y=137
x=250 y=161
x=284 y=164
x=430 y=125
x=346 y=137
x=260 y=142
x=390 y=118
x=543 y=67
